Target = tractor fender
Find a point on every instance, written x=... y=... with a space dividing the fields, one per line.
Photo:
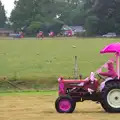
x=102 y=85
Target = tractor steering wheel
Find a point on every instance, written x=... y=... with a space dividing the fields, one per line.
x=100 y=76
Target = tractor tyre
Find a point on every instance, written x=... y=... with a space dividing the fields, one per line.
x=110 y=97
x=65 y=104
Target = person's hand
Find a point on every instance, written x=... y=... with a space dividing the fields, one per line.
x=100 y=76
x=99 y=70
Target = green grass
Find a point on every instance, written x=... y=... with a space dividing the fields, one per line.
x=28 y=93
x=46 y=60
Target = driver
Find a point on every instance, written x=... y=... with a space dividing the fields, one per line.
x=111 y=72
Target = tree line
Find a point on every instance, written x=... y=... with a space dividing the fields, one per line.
x=96 y=16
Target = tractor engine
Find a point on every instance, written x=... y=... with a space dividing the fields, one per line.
x=79 y=90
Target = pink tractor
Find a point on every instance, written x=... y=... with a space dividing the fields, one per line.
x=107 y=92
x=40 y=35
x=51 y=34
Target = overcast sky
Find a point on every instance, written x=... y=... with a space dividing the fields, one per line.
x=9 y=5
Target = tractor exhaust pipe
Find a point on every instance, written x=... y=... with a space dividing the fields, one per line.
x=76 y=69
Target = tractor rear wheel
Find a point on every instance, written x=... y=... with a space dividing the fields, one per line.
x=110 y=97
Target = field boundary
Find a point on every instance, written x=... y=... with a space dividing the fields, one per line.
x=20 y=93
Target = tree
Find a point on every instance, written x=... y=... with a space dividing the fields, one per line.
x=92 y=25
x=2 y=16
x=22 y=14
x=108 y=13
x=31 y=13
x=97 y=16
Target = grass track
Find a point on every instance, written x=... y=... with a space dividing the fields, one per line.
x=41 y=107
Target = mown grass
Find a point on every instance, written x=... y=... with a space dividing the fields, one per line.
x=45 y=60
x=24 y=93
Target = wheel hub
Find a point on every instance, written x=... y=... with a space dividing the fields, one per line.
x=64 y=105
x=116 y=98
x=113 y=98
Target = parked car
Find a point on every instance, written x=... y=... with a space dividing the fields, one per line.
x=109 y=35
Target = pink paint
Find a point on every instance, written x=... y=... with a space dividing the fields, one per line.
x=111 y=48
x=64 y=105
x=118 y=65
x=61 y=88
x=61 y=85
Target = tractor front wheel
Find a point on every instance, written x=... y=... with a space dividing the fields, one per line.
x=65 y=104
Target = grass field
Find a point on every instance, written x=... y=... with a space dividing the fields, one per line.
x=45 y=60
x=40 y=106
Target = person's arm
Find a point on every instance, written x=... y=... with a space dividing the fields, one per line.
x=105 y=74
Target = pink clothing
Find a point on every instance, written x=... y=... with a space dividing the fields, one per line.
x=40 y=34
x=69 y=33
x=51 y=34
x=111 y=72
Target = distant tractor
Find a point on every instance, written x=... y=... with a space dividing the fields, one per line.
x=40 y=35
x=106 y=93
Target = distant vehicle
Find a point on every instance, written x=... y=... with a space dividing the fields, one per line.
x=17 y=35
x=110 y=35
x=68 y=33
